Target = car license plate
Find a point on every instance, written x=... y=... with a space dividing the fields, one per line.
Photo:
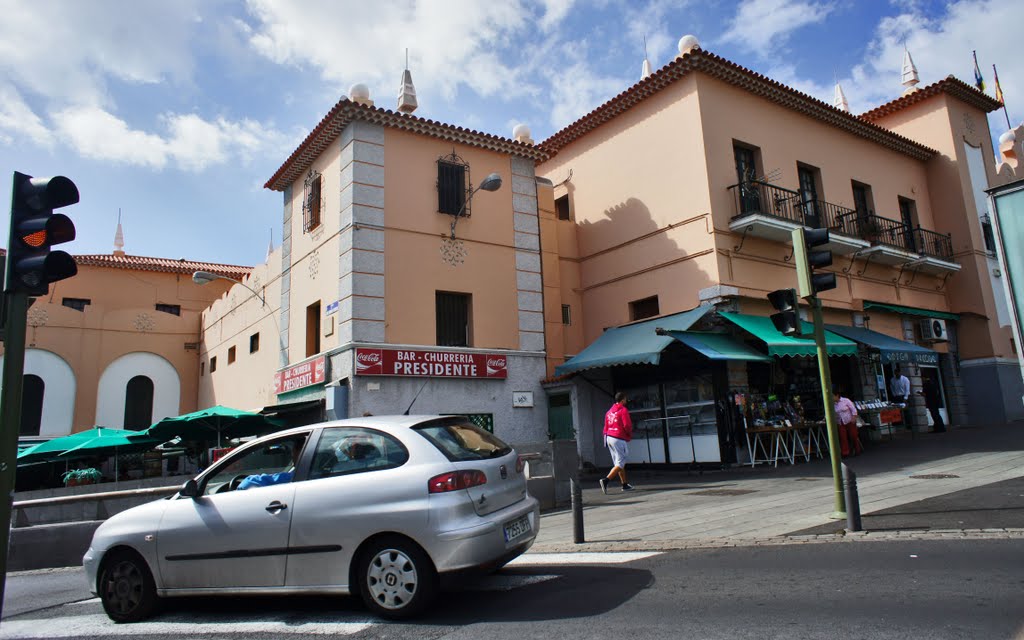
x=517 y=528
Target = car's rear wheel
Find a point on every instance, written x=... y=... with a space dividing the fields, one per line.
x=396 y=578
x=126 y=588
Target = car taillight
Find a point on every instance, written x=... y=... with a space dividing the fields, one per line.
x=520 y=464
x=455 y=480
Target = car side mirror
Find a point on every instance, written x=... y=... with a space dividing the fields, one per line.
x=190 y=489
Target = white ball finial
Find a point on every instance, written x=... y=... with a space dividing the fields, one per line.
x=521 y=133
x=359 y=91
x=687 y=43
x=1009 y=136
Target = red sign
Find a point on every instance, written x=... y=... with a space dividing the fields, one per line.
x=430 y=364
x=301 y=375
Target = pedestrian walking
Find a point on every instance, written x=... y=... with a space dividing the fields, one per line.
x=846 y=414
x=899 y=387
x=932 y=400
x=618 y=431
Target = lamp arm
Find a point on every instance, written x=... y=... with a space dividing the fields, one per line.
x=458 y=215
x=258 y=296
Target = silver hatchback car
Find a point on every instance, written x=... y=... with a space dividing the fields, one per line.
x=382 y=506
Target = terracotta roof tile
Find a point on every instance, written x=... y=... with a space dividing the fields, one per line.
x=166 y=265
x=717 y=67
x=950 y=85
x=345 y=111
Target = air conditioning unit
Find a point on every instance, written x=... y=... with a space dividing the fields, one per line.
x=933 y=330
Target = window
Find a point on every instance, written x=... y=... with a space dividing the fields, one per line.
x=254 y=343
x=746 y=176
x=461 y=441
x=347 y=450
x=908 y=216
x=267 y=459
x=452 y=178
x=32 y=391
x=202 y=368
x=809 y=178
x=862 y=203
x=231 y=355
x=312 y=193
x=566 y=314
x=213 y=364
x=138 y=403
x=78 y=304
x=987 y=234
x=452 y=317
x=562 y=207
x=173 y=309
x=646 y=308
x=313 y=329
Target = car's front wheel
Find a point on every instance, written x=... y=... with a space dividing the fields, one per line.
x=396 y=578
x=126 y=588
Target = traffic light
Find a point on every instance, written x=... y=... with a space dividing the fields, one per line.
x=31 y=265
x=810 y=283
x=787 y=320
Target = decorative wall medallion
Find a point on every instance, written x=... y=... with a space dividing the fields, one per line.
x=453 y=251
x=255 y=283
x=143 y=322
x=37 y=317
x=968 y=123
x=314 y=265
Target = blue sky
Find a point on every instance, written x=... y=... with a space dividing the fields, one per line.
x=176 y=113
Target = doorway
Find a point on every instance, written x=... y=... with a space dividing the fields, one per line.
x=932 y=375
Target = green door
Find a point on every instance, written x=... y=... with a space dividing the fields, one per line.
x=560 y=417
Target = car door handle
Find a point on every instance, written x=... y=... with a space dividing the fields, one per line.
x=276 y=506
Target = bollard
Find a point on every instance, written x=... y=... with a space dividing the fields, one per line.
x=852 y=499
x=577 y=510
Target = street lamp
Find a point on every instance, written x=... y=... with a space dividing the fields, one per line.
x=490 y=183
x=206 y=277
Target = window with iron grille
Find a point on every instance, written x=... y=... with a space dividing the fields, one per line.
x=173 y=309
x=78 y=304
x=646 y=308
x=452 y=315
x=311 y=201
x=566 y=314
x=452 y=185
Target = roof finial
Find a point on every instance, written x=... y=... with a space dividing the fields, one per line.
x=839 y=99
x=407 y=92
x=910 y=77
x=270 y=247
x=646 y=71
x=119 y=236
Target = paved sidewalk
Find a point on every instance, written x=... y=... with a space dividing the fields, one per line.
x=759 y=506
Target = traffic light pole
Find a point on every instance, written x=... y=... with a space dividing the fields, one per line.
x=10 y=413
x=825 y=372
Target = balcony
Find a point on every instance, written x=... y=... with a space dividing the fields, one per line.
x=772 y=212
x=768 y=211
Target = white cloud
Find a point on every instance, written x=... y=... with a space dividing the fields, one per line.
x=18 y=119
x=763 y=26
x=554 y=12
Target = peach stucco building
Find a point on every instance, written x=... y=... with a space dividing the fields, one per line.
x=117 y=345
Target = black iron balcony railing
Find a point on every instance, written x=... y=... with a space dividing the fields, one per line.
x=885 y=231
x=931 y=243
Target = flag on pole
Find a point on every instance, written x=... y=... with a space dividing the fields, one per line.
x=978 y=80
x=999 y=90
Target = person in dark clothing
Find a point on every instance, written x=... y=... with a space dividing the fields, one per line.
x=932 y=400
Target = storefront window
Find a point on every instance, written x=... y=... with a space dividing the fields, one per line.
x=692 y=423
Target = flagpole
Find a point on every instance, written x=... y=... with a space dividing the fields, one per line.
x=1002 y=99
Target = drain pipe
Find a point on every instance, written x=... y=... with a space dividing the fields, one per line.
x=852 y=499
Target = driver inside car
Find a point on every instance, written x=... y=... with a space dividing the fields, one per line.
x=267 y=479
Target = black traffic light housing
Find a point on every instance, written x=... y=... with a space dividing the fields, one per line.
x=31 y=265
x=787 y=320
x=810 y=283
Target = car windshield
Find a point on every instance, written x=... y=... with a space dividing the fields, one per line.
x=462 y=440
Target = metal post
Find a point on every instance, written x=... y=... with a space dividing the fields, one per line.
x=830 y=412
x=577 y=510
x=852 y=499
x=10 y=418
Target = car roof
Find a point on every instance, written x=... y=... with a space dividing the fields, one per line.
x=380 y=422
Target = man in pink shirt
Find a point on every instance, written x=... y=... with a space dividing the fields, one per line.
x=618 y=431
x=846 y=414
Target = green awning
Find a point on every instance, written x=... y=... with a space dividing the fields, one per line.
x=780 y=345
x=635 y=343
x=718 y=346
x=893 y=351
x=911 y=311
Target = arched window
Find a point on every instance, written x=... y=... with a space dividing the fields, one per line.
x=32 y=391
x=138 y=403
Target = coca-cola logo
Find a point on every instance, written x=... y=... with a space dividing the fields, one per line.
x=368 y=358
x=369 y=362
x=496 y=363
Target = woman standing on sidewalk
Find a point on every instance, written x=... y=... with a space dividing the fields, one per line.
x=618 y=431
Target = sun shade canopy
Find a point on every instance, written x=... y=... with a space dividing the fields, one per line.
x=719 y=346
x=893 y=351
x=780 y=345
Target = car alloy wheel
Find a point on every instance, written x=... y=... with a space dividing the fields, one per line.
x=397 y=578
x=126 y=588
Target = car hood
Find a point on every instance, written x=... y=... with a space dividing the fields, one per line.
x=130 y=525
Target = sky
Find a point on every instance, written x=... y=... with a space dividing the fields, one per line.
x=174 y=114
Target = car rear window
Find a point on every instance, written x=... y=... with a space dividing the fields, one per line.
x=462 y=440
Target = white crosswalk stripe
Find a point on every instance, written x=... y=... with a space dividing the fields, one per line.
x=87 y=626
x=587 y=557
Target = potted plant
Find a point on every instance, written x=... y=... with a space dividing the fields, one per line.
x=76 y=477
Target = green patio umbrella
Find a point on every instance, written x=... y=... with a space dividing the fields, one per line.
x=208 y=425
x=55 y=448
x=106 y=441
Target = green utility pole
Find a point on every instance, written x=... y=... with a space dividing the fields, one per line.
x=808 y=286
x=16 y=308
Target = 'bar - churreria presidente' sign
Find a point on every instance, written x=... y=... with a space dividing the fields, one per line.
x=301 y=375
x=430 y=364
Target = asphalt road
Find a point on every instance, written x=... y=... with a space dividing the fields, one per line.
x=892 y=590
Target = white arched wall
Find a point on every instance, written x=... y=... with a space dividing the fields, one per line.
x=110 y=397
x=58 y=390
